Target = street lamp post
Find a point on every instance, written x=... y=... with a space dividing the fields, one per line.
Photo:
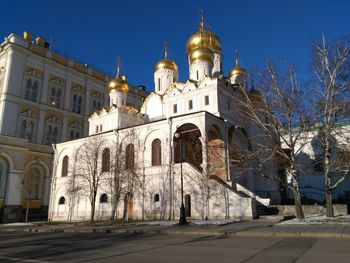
x=182 y=220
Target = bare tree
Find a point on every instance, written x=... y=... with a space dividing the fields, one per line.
x=331 y=65
x=280 y=122
x=89 y=174
x=133 y=164
x=117 y=179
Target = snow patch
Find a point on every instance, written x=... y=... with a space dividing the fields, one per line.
x=18 y=224
x=318 y=219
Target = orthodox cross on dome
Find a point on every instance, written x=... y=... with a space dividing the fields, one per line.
x=118 y=66
x=201 y=23
x=236 y=56
x=165 y=50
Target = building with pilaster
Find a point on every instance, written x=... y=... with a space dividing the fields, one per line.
x=45 y=98
x=176 y=150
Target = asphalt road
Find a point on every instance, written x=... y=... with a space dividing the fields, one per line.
x=93 y=247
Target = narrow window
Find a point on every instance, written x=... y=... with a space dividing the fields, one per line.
x=156 y=152
x=34 y=92
x=79 y=102
x=71 y=135
x=104 y=198
x=96 y=129
x=228 y=104
x=62 y=200
x=197 y=74
x=31 y=131
x=77 y=135
x=28 y=89
x=129 y=157
x=175 y=108
x=190 y=104
x=156 y=198
x=74 y=103
x=206 y=100
x=48 y=135
x=65 y=163
x=23 y=129
x=54 y=135
x=100 y=127
x=158 y=84
x=106 y=160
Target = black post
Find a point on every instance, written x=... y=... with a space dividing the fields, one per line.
x=182 y=220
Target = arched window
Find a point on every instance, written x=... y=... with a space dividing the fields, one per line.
x=28 y=89
x=104 y=198
x=156 y=198
x=54 y=135
x=106 y=162
x=71 y=135
x=65 y=164
x=129 y=157
x=77 y=135
x=55 y=97
x=79 y=104
x=156 y=152
x=33 y=183
x=62 y=200
x=23 y=129
x=74 y=102
x=31 y=131
x=34 y=91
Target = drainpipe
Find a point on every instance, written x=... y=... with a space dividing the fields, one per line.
x=53 y=183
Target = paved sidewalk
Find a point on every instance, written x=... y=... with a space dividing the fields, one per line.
x=256 y=228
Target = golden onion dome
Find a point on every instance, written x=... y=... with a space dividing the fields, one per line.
x=255 y=94
x=237 y=70
x=203 y=38
x=166 y=63
x=201 y=53
x=118 y=83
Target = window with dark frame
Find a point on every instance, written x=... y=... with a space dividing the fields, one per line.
x=190 y=104
x=206 y=100
x=174 y=108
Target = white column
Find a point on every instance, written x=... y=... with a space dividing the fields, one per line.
x=68 y=95
x=64 y=128
x=45 y=88
x=41 y=128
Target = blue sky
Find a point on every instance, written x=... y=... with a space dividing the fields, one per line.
x=96 y=32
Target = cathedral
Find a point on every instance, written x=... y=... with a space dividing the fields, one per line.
x=173 y=152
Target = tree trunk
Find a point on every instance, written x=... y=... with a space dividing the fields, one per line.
x=329 y=202
x=93 y=209
x=299 y=213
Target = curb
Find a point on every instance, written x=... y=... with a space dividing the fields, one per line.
x=243 y=233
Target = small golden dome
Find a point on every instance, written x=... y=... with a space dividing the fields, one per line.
x=237 y=70
x=118 y=84
x=201 y=53
x=255 y=94
x=166 y=63
x=203 y=38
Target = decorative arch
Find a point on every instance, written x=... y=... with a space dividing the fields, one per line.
x=189 y=144
x=216 y=153
x=239 y=148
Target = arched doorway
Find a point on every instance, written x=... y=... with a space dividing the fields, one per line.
x=191 y=145
x=240 y=156
x=216 y=153
x=128 y=206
